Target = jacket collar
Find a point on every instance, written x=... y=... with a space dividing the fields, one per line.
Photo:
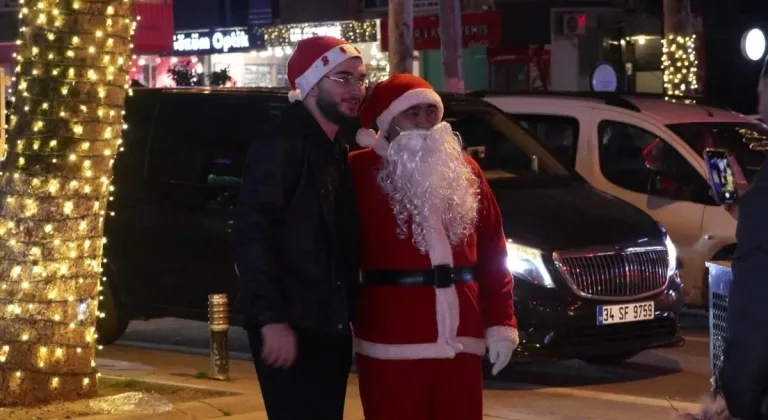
x=297 y=119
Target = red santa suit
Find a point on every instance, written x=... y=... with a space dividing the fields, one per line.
x=420 y=347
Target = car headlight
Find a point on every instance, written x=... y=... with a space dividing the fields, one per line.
x=525 y=263
x=672 y=255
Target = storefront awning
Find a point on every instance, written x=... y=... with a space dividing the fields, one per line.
x=154 y=30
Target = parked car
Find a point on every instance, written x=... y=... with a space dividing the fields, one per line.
x=595 y=277
x=649 y=152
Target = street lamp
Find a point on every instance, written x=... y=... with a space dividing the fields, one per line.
x=753 y=44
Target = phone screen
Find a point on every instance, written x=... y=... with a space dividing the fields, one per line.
x=721 y=175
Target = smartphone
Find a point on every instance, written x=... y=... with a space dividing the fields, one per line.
x=721 y=175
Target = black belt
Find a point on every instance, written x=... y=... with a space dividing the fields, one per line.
x=440 y=276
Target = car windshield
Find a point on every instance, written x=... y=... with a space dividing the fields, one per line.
x=507 y=153
x=742 y=140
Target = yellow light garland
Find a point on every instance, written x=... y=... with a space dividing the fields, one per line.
x=353 y=32
x=67 y=119
x=679 y=65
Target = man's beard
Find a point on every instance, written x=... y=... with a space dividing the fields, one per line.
x=330 y=109
x=426 y=172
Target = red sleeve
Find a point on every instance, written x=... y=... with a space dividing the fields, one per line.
x=493 y=277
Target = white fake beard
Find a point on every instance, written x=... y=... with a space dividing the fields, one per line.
x=425 y=172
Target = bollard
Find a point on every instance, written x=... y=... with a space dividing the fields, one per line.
x=218 y=323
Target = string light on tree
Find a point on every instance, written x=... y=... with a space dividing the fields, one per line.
x=355 y=32
x=680 y=65
x=65 y=130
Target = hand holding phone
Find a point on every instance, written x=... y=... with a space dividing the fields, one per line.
x=721 y=176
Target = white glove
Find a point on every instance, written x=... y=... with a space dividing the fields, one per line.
x=500 y=354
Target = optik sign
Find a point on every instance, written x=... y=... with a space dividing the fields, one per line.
x=215 y=41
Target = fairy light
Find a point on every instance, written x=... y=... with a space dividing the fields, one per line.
x=66 y=124
x=355 y=32
x=679 y=64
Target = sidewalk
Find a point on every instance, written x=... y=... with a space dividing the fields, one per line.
x=503 y=402
x=179 y=369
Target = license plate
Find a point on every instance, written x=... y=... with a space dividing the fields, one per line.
x=630 y=312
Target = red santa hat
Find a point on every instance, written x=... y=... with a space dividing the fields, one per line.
x=313 y=58
x=389 y=98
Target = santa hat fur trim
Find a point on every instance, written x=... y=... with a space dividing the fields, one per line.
x=407 y=100
x=313 y=58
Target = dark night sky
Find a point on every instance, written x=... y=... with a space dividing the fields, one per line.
x=731 y=77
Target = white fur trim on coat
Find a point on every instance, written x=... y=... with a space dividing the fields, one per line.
x=407 y=100
x=320 y=67
x=502 y=333
x=470 y=345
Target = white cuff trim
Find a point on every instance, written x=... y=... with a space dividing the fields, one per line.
x=502 y=333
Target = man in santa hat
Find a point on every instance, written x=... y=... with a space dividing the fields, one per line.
x=295 y=234
x=435 y=287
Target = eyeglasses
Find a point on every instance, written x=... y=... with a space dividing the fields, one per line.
x=349 y=81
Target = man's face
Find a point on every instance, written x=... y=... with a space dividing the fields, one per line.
x=338 y=95
x=421 y=116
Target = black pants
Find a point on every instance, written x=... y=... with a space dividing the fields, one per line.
x=315 y=386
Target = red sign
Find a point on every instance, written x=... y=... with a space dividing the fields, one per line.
x=476 y=28
x=154 y=30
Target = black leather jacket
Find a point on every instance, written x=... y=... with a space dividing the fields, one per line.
x=295 y=231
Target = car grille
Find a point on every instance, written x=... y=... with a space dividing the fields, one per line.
x=617 y=274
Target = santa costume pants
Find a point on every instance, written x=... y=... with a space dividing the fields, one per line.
x=426 y=389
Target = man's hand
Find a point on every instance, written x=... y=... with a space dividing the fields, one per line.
x=741 y=184
x=278 y=347
x=500 y=353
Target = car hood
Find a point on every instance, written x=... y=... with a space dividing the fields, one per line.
x=553 y=219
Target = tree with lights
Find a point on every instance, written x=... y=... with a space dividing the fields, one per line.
x=679 y=61
x=66 y=122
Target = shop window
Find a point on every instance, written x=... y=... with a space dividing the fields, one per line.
x=640 y=161
x=560 y=134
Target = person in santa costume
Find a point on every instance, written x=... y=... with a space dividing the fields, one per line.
x=435 y=287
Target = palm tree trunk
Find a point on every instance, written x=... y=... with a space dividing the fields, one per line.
x=65 y=130
x=679 y=61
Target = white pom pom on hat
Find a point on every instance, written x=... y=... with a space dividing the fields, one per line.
x=294 y=95
x=369 y=138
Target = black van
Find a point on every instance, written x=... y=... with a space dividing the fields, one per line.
x=596 y=278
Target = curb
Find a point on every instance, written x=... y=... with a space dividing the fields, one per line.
x=171 y=383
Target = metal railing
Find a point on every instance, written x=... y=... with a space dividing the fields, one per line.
x=720 y=277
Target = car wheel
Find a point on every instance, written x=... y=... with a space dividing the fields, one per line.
x=115 y=321
x=610 y=360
